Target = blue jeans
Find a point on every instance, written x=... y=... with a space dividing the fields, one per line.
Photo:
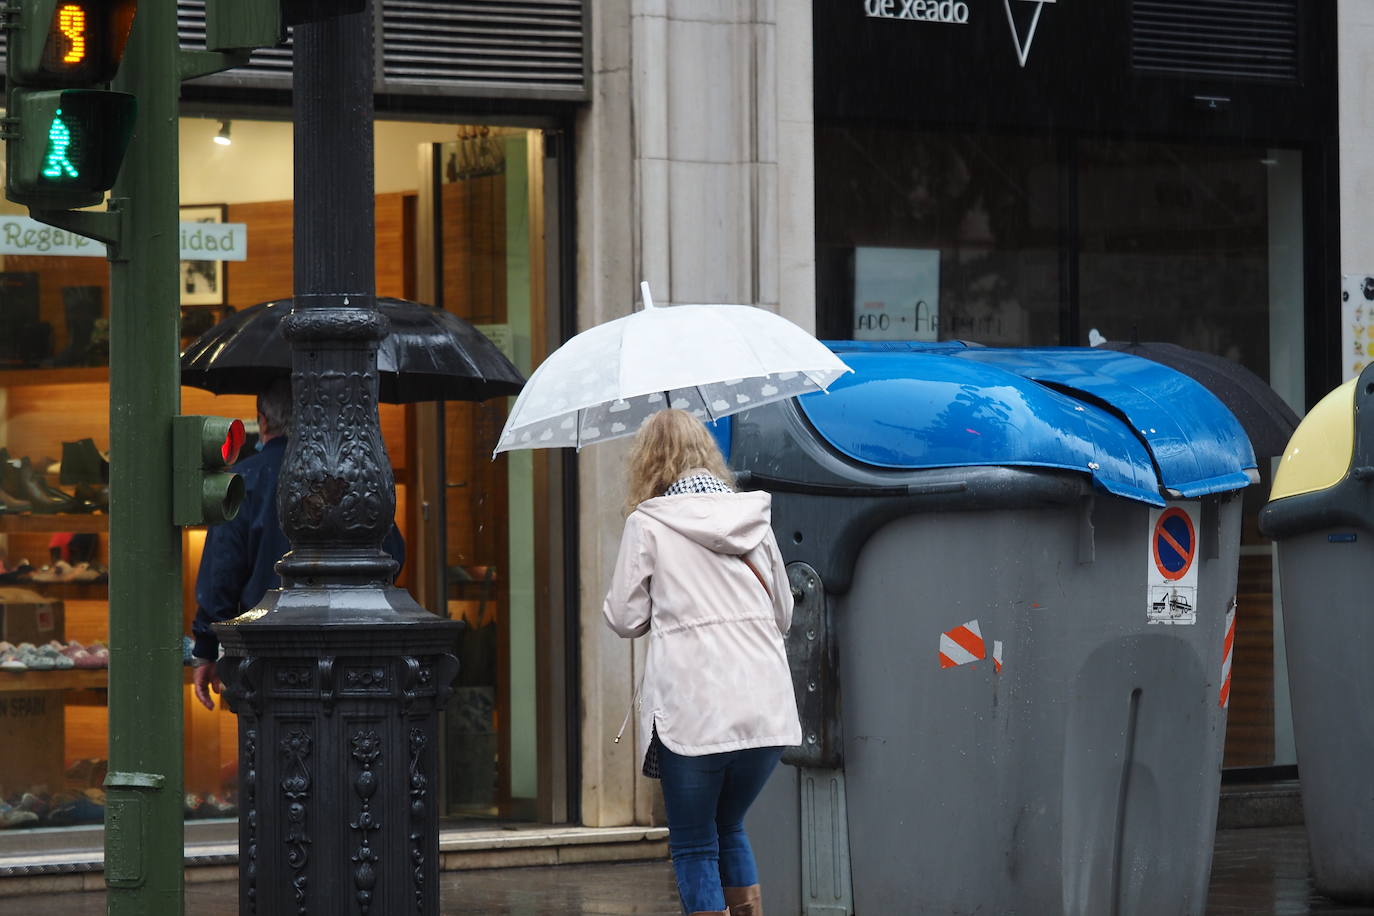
x=706 y=799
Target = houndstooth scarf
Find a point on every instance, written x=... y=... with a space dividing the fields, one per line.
x=698 y=483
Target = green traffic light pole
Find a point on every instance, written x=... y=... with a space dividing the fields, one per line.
x=144 y=809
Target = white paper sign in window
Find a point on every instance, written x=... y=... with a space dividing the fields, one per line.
x=896 y=294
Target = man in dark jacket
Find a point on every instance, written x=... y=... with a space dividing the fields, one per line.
x=237 y=566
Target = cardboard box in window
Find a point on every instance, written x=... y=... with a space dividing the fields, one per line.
x=26 y=616
x=31 y=731
x=31 y=722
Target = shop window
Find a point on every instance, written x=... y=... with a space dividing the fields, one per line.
x=54 y=432
x=1032 y=241
x=936 y=236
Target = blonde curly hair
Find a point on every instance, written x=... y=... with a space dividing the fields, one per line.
x=669 y=444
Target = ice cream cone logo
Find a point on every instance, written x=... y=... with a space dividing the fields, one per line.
x=1023 y=44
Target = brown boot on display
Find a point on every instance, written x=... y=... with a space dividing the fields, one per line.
x=43 y=498
x=10 y=503
x=83 y=463
x=744 y=901
x=11 y=497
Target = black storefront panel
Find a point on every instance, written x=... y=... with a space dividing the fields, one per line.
x=1198 y=68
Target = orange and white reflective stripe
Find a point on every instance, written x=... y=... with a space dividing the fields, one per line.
x=997 y=655
x=1224 y=698
x=962 y=645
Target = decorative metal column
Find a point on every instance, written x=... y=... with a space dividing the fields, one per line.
x=337 y=678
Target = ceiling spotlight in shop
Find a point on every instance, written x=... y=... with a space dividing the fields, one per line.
x=222 y=138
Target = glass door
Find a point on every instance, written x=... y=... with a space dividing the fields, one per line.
x=490 y=553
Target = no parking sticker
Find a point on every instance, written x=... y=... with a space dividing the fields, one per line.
x=1171 y=575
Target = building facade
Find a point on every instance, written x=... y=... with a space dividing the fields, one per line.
x=1037 y=169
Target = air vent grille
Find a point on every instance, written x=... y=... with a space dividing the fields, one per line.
x=533 y=47
x=1254 y=39
x=519 y=48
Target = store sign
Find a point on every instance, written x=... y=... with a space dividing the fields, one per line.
x=199 y=241
x=956 y=12
x=1023 y=45
x=896 y=294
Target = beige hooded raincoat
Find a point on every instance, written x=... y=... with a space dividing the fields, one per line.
x=716 y=677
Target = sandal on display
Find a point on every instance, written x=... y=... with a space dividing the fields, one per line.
x=12 y=817
x=34 y=659
x=54 y=650
x=61 y=571
x=81 y=657
x=88 y=573
x=9 y=658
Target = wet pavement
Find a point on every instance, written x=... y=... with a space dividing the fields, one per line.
x=1256 y=872
x=1264 y=870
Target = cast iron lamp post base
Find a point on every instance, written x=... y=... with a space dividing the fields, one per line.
x=337 y=691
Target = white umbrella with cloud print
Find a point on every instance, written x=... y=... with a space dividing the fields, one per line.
x=710 y=360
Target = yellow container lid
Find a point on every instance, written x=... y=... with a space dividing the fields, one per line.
x=1319 y=454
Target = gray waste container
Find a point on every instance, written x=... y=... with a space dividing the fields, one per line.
x=1321 y=513
x=1015 y=571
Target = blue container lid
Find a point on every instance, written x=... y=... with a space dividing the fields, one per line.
x=1140 y=429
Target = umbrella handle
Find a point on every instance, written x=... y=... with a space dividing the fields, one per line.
x=644 y=292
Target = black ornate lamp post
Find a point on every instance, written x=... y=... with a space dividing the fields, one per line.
x=337 y=678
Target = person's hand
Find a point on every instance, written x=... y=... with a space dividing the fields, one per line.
x=203 y=680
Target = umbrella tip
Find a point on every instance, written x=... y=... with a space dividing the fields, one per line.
x=644 y=294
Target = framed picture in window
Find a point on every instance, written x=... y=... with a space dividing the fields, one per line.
x=202 y=282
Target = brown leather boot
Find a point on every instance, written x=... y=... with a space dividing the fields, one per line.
x=744 y=901
x=725 y=912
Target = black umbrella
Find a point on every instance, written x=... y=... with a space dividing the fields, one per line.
x=1266 y=417
x=427 y=355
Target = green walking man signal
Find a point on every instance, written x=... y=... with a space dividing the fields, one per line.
x=59 y=139
x=67 y=133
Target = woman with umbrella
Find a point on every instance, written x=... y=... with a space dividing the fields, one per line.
x=700 y=572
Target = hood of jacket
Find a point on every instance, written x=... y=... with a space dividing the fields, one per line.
x=729 y=523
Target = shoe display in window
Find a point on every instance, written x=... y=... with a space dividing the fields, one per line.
x=9 y=658
x=82 y=809
x=33 y=660
x=12 y=817
x=13 y=504
x=82 y=463
x=57 y=572
x=20 y=480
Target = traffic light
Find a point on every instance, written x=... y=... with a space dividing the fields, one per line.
x=298 y=12
x=241 y=24
x=66 y=132
x=204 y=493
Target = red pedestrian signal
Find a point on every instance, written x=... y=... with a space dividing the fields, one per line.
x=234 y=437
x=204 y=492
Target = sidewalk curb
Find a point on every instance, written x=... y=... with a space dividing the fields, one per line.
x=459 y=850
